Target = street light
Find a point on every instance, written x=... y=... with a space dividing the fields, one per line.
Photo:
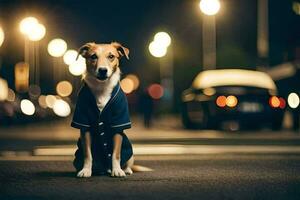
x=57 y=48
x=161 y=48
x=27 y=25
x=163 y=38
x=32 y=31
x=37 y=33
x=157 y=50
x=209 y=8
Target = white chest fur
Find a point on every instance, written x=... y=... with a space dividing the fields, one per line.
x=102 y=89
x=103 y=99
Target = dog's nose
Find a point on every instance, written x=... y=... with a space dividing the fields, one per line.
x=102 y=71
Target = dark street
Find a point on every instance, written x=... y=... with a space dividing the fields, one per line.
x=175 y=177
x=199 y=99
x=36 y=163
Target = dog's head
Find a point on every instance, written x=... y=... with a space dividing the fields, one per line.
x=102 y=60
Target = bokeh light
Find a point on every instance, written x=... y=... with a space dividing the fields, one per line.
x=37 y=33
x=70 y=56
x=78 y=67
x=209 y=91
x=293 y=100
x=61 y=108
x=21 y=76
x=231 y=101
x=135 y=79
x=50 y=100
x=3 y=89
x=2 y=36
x=27 y=107
x=157 y=50
x=210 y=7
x=221 y=101
x=274 y=102
x=296 y=7
x=11 y=96
x=57 y=47
x=42 y=101
x=282 y=103
x=34 y=91
x=156 y=91
x=127 y=85
x=162 y=38
x=64 y=88
x=27 y=25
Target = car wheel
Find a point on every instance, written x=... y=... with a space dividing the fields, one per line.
x=201 y=121
x=187 y=123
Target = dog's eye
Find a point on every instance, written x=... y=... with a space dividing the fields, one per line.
x=94 y=57
x=111 y=57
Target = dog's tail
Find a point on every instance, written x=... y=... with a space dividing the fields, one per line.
x=139 y=168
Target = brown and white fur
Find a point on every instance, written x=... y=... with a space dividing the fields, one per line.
x=102 y=75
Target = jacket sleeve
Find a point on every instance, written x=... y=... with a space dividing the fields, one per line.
x=120 y=114
x=80 y=118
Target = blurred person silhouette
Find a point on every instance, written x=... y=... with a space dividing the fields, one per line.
x=147 y=107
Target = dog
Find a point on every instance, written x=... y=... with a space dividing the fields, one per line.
x=102 y=115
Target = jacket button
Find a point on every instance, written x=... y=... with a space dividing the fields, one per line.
x=102 y=133
x=105 y=144
x=109 y=155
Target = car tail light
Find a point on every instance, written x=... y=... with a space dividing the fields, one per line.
x=282 y=103
x=231 y=101
x=221 y=101
x=274 y=102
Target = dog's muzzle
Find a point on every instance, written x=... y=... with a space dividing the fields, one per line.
x=102 y=74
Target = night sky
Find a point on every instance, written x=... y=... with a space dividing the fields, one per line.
x=134 y=23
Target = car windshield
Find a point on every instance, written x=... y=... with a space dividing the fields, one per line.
x=233 y=77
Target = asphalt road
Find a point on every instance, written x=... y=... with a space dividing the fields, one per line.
x=175 y=177
x=36 y=163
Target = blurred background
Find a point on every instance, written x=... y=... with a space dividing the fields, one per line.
x=170 y=44
x=213 y=90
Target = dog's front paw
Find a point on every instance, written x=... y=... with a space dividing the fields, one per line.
x=128 y=171
x=118 y=172
x=84 y=173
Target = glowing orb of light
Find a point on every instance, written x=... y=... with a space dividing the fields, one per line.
x=27 y=25
x=156 y=91
x=210 y=7
x=163 y=38
x=78 y=67
x=293 y=100
x=127 y=85
x=57 y=47
x=27 y=107
x=61 y=108
x=70 y=56
x=37 y=33
x=157 y=50
x=64 y=88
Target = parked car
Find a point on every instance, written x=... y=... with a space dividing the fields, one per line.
x=233 y=99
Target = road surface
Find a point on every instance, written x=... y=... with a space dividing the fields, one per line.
x=36 y=163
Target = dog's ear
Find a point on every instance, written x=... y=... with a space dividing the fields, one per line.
x=83 y=50
x=121 y=50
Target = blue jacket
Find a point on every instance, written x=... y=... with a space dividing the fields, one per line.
x=113 y=119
